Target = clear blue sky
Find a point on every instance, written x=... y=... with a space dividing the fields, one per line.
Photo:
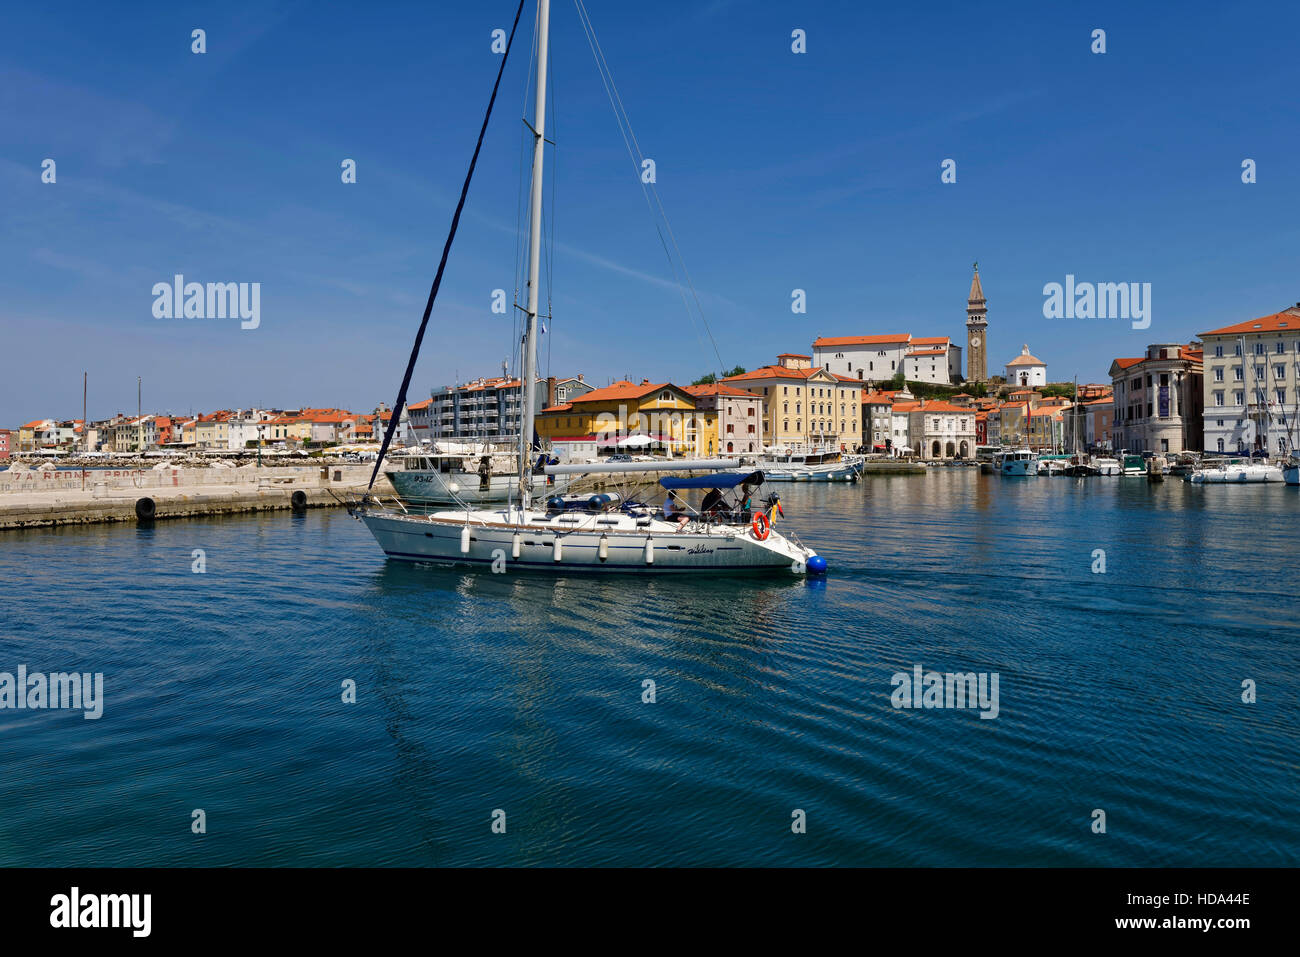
x=779 y=171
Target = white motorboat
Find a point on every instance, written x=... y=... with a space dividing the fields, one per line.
x=1237 y=472
x=1016 y=462
x=810 y=467
x=422 y=477
x=609 y=534
x=1107 y=466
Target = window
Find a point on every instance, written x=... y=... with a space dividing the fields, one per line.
x=1259 y=348
x=1236 y=350
x=1237 y=373
x=1239 y=398
x=1218 y=400
x=1220 y=445
x=1279 y=372
x=1218 y=374
x=1218 y=352
x=1280 y=347
x=1281 y=396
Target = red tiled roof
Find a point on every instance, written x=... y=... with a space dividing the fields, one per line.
x=859 y=340
x=775 y=372
x=622 y=390
x=792 y=355
x=1285 y=321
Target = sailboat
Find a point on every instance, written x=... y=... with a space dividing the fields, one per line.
x=609 y=533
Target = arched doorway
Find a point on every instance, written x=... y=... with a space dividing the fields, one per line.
x=965 y=450
x=934 y=449
x=730 y=447
x=950 y=451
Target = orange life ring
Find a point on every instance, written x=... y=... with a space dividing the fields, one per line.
x=762 y=527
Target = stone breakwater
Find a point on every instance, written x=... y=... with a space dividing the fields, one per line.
x=43 y=498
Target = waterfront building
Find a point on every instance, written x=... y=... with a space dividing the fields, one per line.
x=732 y=418
x=940 y=429
x=603 y=418
x=1046 y=426
x=1099 y=418
x=212 y=431
x=805 y=406
x=982 y=428
x=487 y=409
x=877 y=421
x=1157 y=399
x=1026 y=370
x=27 y=434
x=900 y=422
x=5 y=450
x=1251 y=384
x=977 y=323
x=877 y=359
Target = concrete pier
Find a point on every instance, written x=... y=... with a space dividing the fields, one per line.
x=33 y=500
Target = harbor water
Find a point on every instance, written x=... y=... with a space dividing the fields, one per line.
x=1125 y=622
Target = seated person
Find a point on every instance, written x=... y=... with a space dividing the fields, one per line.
x=675 y=510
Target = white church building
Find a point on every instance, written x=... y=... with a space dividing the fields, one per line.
x=1026 y=370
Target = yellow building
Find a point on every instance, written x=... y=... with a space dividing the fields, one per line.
x=626 y=417
x=805 y=407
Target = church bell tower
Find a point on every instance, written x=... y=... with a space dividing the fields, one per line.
x=976 y=326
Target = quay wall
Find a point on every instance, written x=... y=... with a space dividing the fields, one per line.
x=44 y=499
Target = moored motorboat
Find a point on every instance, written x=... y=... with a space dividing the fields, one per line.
x=1237 y=472
x=1017 y=462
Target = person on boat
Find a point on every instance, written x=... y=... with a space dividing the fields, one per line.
x=675 y=510
x=485 y=473
x=712 y=503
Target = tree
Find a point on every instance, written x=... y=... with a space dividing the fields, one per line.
x=898 y=381
x=710 y=378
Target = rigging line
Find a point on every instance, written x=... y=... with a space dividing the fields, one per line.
x=442 y=263
x=624 y=128
x=620 y=116
x=654 y=189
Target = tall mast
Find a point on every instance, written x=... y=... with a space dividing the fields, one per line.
x=534 y=258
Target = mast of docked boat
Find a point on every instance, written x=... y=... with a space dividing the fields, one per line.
x=529 y=363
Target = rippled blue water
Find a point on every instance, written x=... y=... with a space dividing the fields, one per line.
x=1119 y=691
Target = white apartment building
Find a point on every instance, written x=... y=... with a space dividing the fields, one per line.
x=1252 y=384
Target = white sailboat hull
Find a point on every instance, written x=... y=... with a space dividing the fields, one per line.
x=439 y=539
